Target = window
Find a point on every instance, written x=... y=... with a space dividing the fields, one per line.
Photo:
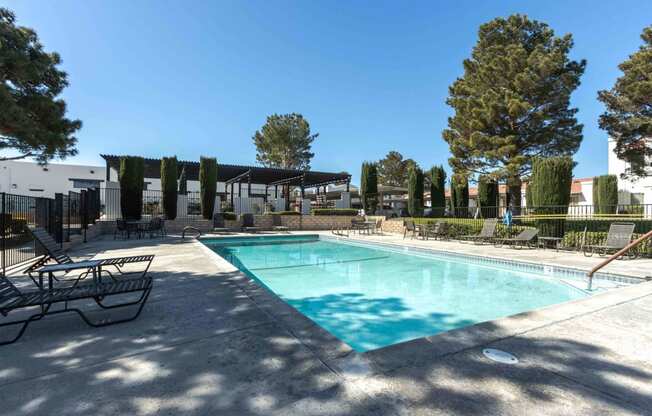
x=85 y=183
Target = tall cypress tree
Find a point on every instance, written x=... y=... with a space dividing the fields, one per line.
x=460 y=194
x=607 y=194
x=183 y=181
x=438 y=190
x=207 y=185
x=550 y=192
x=513 y=101
x=596 y=195
x=169 y=186
x=487 y=196
x=369 y=187
x=628 y=118
x=415 y=192
x=131 y=177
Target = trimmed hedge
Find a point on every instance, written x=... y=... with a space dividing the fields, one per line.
x=335 y=211
x=230 y=216
x=286 y=213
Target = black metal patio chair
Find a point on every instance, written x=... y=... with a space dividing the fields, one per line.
x=11 y=299
x=248 y=224
x=53 y=252
x=218 y=223
x=277 y=224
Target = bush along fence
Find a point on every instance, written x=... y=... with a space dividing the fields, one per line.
x=574 y=225
x=62 y=216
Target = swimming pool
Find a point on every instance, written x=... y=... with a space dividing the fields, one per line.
x=370 y=296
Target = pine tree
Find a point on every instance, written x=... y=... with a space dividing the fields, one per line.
x=393 y=169
x=169 y=186
x=438 y=190
x=513 y=101
x=415 y=192
x=285 y=142
x=369 y=187
x=628 y=118
x=207 y=185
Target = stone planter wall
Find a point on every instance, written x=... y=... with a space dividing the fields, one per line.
x=393 y=225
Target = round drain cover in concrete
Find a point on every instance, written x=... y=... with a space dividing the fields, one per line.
x=499 y=356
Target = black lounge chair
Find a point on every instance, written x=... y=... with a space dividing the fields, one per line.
x=248 y=224
x=524 y=239
x=409 y=227
x=487 y=232
x=11 y=298
x=277 y=224
x=620 y=234
x=218 y=224
x=54 y=253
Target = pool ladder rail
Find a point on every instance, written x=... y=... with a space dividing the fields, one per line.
x=613 y=257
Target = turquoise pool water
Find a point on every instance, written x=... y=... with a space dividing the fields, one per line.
x=371 y=297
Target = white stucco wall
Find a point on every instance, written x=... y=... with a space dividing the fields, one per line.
x=627 y=187
x=28 y=178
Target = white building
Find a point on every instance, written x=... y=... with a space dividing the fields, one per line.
x=629 y=191
x=32 y=179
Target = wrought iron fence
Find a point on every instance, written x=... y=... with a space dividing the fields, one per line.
x=575 y=225
x=60 y=216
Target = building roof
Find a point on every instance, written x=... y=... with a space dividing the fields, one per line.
x=258 y=174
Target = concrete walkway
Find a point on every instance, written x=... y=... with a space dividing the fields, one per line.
x=212 y=343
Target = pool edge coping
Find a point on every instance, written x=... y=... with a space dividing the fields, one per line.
x=340 y=357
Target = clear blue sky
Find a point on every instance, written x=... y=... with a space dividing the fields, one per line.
x=160 y=78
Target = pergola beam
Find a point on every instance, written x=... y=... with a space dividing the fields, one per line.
x=238 y=177
x=287 y=181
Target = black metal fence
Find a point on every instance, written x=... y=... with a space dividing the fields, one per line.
x=188 y=204
x=575 y=224
x=61 y=216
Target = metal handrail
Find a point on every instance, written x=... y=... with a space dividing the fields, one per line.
x=619 y=253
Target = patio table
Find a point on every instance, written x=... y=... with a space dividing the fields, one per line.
x=542 y=242
x=93 y=266
x=136 y=225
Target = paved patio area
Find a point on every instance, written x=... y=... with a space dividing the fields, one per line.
x=211 y=342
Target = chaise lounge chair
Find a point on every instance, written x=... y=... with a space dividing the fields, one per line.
x=54 y=253
x=11 y=298
x=524 y=239
x=487 y=232
x=248 y=225
x=620 y=234
x=277 y=224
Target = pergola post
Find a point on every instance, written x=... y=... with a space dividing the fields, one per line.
x=348 y=182
x=275 y=191
x=232 y=196
x=249 y=186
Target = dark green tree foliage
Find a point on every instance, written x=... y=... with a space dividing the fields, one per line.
x=415 y=192
x=369 y=187
x=551 y=180
x=207 y=185
x=131 y=177
x=183 y=182
x=460 y=194
x=284 y=142
x=628 y=118
x=169 y=186
x=32 y=120
x=513 y=101
x=550 y=188
x=607 y=192
x=596 y=195
x=487 y=196
x=438 y=190
x=393 y=169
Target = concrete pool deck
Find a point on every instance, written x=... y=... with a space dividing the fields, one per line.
x=211 y=341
